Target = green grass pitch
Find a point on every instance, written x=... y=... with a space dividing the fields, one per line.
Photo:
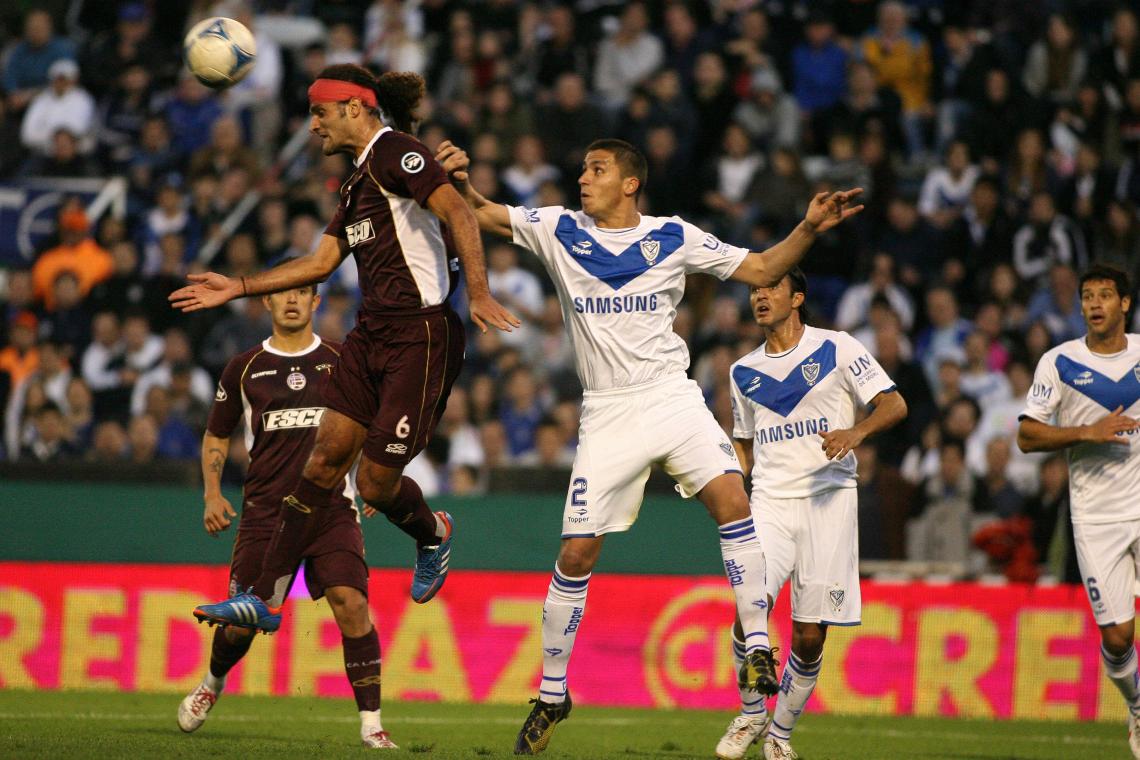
x=94 y=725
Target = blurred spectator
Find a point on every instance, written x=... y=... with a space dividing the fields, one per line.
x=521 y=410
x=562 y=52
x=62 y=159
x=946 y=189
x=665 y=163
x=62 y=105
x=780 y=191
x=993 y=125
x=528 y=171
x=728 y=180
x=901 y=60
x=258 y=96
x=549 y=447
x=20 y=358
x=168 y=217
x=712 y=98
x=225 y=151
x=1053 y=527
x=517 y=289
x=51 y=442
x=68 y=322
x=855 y=305
x=129 y=45
x=80 y=413
x=142 y=436
x=819 y=66
x=569 y=124
x=27 y=65
x=190 y=115
x=684 y=41
x=393 y=36
x=1000 y=420
x=867 y=109
x=981 y=383
x=464 y=481
x=153 y=157
x=77 y=253
x=911 y=384
x=1058 y=305
x=104 y=369
x=1046 y=240
x=981 y=236
x=1085 y=195
x=1056 y=65
x=175 y=438
x=880 y=315
x=12 y=155
x=246 y=325
x=941 y=527
x=142 y=348
x=769 y=115
x=626 y=57
x=505 y=117
x=496 y=448
x=912 y=242
x=1119 y=60
x=945 y=333
x=109 y=443
x=176 y=352
x=1118 y=238
x=884 y=504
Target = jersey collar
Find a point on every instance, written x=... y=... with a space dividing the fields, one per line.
x=360 y=159
x=278 y=352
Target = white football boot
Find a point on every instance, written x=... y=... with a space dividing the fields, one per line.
x=195 y=707
x=1134 y=734
x=742 y=733
x=378 y=740
x=778 y=749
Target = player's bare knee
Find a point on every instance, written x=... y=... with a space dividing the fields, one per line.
x=576 y=561
x=379 y=493
x=323 y=468
x=1117 y=639
x=807 y=640
x=350 y=609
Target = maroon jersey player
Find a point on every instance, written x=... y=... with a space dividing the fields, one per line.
x=398 y=364
x=273 y=393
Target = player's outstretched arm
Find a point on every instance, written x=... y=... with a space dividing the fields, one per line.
x=889 y=410
x=824 y=212
x=493 y=217
x=211 y=289
x=1034 y=435
x=446 y=203
x=218 y=508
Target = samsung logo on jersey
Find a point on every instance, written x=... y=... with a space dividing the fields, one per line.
x=791 y=430
x=282 y=419
x=614 y=304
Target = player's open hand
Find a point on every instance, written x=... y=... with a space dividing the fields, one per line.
x=217 y=515
x=839 y=443
x=1110 y=428
x=210 y=289
x=455 y=162
x=486 y=310
x=829 y=209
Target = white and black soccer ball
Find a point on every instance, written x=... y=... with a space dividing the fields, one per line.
x=219 y=52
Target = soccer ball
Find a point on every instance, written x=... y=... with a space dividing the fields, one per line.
x=219 y=52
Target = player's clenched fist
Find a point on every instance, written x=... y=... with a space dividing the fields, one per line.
x=454 y=161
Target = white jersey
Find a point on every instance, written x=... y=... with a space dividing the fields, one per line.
x=1077 y=387
x=619 y=289
x=783 y=402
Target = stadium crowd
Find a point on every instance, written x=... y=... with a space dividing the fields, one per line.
x=998 y=144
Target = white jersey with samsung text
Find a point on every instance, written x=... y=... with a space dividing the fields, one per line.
x=1073 y=386
x=783 y=402
x=619 y=289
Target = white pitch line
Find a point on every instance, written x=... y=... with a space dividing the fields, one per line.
x=884 y=733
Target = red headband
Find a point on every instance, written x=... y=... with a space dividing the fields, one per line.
x=336 y=91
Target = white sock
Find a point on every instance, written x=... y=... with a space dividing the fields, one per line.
x=795 y=689
x=744 y=564
x=561 y=616
x=440 y=527
x=1122 y=672
x=213 y=682
x=370 y=722
x=751 y=702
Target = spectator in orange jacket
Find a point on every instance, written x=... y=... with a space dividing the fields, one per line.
x=77 y=252
x=20 y=357
x=901 y=60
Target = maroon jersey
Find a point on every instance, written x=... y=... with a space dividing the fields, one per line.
x=281 y=398
x=402 y=251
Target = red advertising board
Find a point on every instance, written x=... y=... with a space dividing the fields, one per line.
x=958 y=649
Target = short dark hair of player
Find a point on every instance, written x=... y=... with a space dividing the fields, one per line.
x=1117 y=277
x=397 y=92
x=798 y=280
x=628 y=159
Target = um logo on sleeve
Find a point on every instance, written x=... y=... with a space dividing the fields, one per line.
x=359 y=232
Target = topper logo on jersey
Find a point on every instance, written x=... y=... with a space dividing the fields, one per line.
x=582 y=248
x=1085 y=378
x=282 y=419
x=359 y=232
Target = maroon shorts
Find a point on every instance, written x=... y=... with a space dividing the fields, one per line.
x=334 y=558
x=395 y=378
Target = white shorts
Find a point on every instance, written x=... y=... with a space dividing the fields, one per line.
x=814 y=542
x=1109 y=556
x=622 y=433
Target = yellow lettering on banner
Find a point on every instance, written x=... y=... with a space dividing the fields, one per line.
x=80 y=646
x=515 y=683
x=1035 y=668
x=308 y=659
x=426 y=629
x=879 y=620
x=675 y=647
x=158 y=611
x=26 y=612
x=724 y=666
x=936 y=674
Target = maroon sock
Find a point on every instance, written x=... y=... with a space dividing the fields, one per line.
x=296 y=527
x=362 y=666
x=411 y=514
x=224 y=654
